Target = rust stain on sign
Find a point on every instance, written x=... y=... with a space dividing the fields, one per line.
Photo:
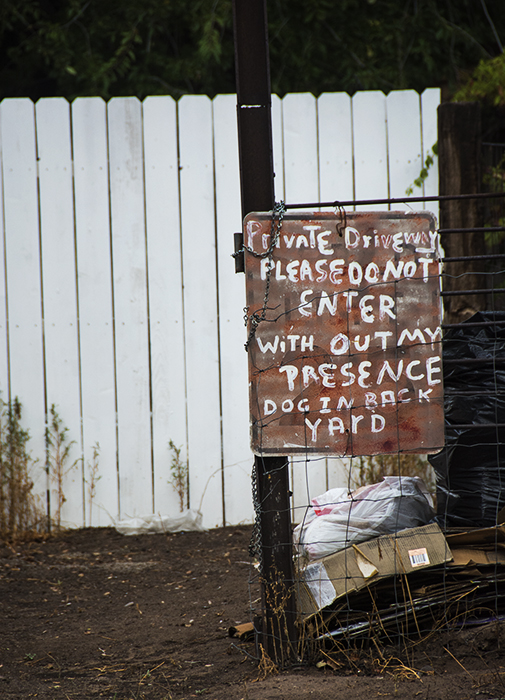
x=348 y=358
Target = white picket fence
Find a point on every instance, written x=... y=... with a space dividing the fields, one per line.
x=120 y=304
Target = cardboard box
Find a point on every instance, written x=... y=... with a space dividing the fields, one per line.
x=467 y=556
x=325 y=580
x=478 y=536
x=484 y=545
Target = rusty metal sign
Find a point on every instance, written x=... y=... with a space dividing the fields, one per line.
x=344 y=337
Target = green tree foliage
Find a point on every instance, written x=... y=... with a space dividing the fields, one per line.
x=107 y=48
x=133 y=47
x=379 y=44
x=486 y=84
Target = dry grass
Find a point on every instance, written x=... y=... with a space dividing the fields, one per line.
x=58 y=452
x=179 y=469
x=20 y=513
x=371 y=470
x=266 y=666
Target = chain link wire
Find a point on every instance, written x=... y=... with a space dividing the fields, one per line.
x=348 y=628
x=257 y=317
x=255 y=542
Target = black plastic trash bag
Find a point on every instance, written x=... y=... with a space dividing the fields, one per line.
x=470 y=470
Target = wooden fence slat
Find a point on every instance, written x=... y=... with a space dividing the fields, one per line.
x=22 y=252
x=130 y=306
x=308 y=479
x=200 y=307
x=165 y=295
x=4 y=364
x=301 y=172
x=92 y=222
x=340 y=471
x=334 y=118
x=278 y=149
x=404 y=143
x=237 y=456
x=370 y=147
x=301 y=177
x=52 y=116
x=430 y=100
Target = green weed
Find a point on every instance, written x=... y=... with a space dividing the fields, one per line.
x=428 y=163
x=93 y=468
x=57 y=454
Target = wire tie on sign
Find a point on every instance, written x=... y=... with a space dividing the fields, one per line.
x=342 y=224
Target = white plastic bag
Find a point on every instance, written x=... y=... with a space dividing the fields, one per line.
x=146 y=524
x=338 y=519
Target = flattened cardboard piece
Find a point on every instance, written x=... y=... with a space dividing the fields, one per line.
x=480 y=536
x=244 y=632
x=365 y=565
x=324 y=581
x=467 y=556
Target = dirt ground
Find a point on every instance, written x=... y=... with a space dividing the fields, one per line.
x=92 y=613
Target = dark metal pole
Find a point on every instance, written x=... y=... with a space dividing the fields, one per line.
x=278 y=633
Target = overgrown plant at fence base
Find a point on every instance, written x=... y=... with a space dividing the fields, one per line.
x=371 y=470
x=180 y=473
x=58 y=453
x=19 y=510
x=94 y=478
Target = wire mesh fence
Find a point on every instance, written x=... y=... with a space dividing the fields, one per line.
x=414 y=543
